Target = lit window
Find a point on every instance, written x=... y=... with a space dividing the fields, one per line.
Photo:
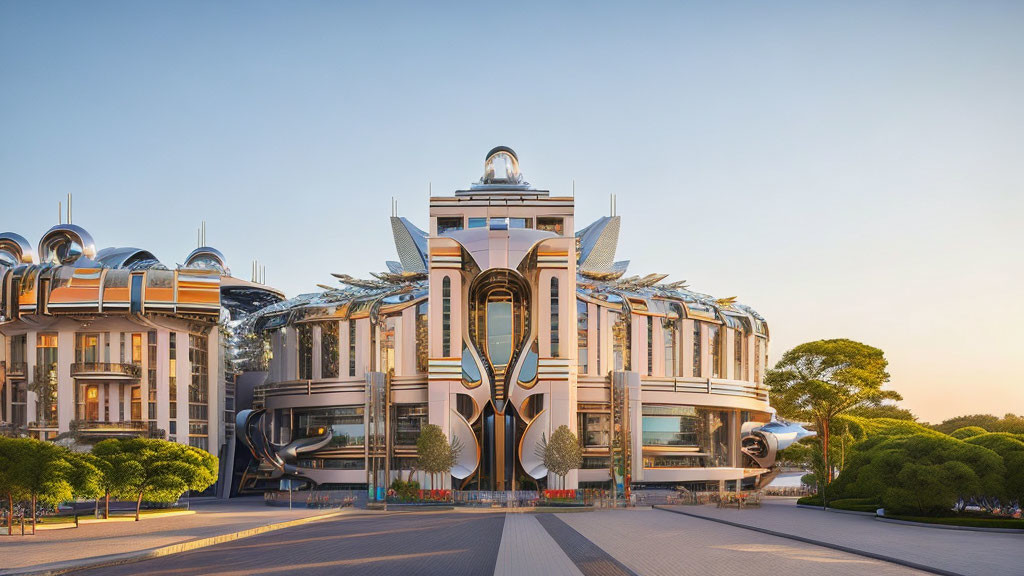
x=556 y=225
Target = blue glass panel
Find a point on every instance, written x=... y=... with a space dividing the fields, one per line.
x=470 y=371
x=528 y=373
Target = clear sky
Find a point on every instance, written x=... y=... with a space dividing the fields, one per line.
x=848 y=169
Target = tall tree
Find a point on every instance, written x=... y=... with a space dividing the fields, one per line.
x=84 y=477
x=562 y=453
x=822 y=380
x=435 y=454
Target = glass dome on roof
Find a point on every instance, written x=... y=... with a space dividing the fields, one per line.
x=502 y=167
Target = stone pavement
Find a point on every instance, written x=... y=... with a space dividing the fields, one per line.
x=406 y=543
x=90 y=540
x=526 y=548
x=657 y=543
x=958 y=551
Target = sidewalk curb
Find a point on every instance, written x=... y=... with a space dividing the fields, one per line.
x=821 y=543
x=171 y=549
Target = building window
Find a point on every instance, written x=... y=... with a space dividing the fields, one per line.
x=556 y=225
x=446 y=317
x=595 y=429
x=329 y=352
x=448 y=224
x=137 y=349
x=650 y=346
x=305 y=333
x=757 y=360
x=704 y=431
x=387 y=346
x=738 y=341
x=150 y=377
x=696 y=349
x=46 y=380
x=476 y=223
x=598 y=344
x=136 y=399
x=582 y=334
x=92 y=403
x=554 y=318
x=198 y=391
x=351 y=348
x=620 y=341
x=671 y=351
x=520 y=222
x=87 y=348
x=715 y=347
x=344 y=422
x=422 y=335
x=172 y=380
x=409 y=420
x=136 y=294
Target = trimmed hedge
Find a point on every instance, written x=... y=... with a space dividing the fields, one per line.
x=970 y=521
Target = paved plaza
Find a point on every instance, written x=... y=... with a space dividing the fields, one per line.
x=93 y=540
x=635 y=542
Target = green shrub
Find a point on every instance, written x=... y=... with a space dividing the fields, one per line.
x=405 y=491
x=855 y=504
x=967 y=432
x=814 y=500
x=920 y=474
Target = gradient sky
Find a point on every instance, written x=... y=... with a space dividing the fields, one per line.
x=849 y=170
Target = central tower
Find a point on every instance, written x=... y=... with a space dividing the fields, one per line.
x=502 y=270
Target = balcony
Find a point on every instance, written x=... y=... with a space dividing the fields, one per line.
x=105 y=370
x=17 y=369
x=126 y=428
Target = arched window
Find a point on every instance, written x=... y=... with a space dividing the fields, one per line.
x=554 y=318
x=446 y=317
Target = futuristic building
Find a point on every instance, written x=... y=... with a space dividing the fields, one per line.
x=499 y=323
x=108 y=343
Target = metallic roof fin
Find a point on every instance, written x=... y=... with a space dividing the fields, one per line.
x=598 y=243
x=411 y=244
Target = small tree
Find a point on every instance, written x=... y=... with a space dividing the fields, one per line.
x=161 y=471
x=84 y=477
x=820 y=381
x=435 y=454
x=118 y=474
x=12 y=452
x=41 y=470
x=562 y=453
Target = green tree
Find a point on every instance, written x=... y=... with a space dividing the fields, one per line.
x=42 y=472
x=822 y=380
x=1010 y=423
x=84 y=477
x=161 y=471
x=118 y=473
x=1011 y=448
x=13 y=451
x=890 y=411
x=435 y=454
x=562 y=453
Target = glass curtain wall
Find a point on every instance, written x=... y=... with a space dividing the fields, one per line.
x=46 y=380
x=699 y=437
x=345 y=423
